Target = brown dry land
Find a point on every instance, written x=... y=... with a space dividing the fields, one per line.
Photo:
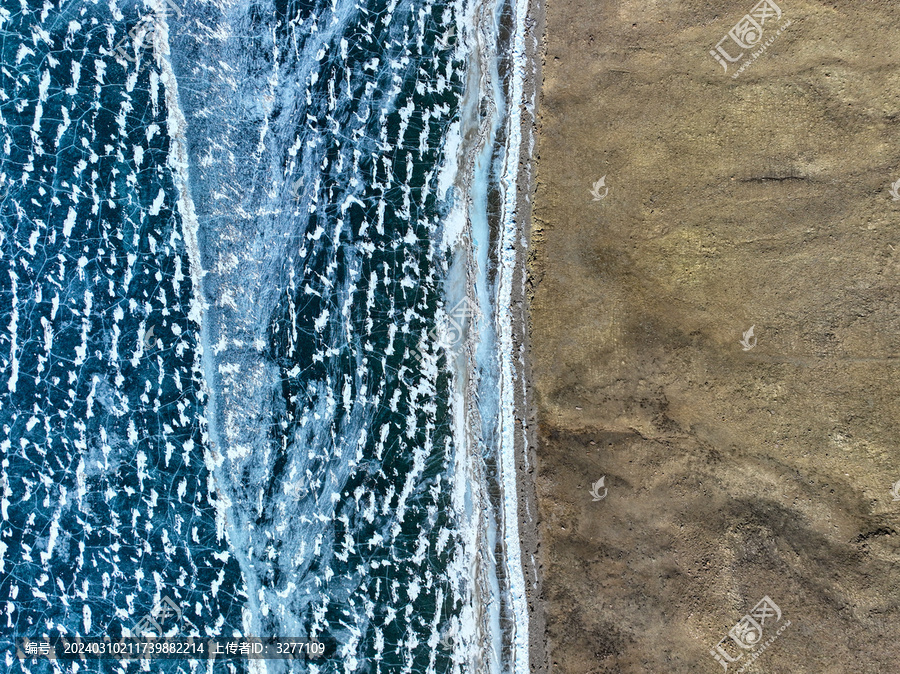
x=732 y=474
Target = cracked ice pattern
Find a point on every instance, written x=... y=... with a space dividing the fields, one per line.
x=105 y=505
x=264 y=442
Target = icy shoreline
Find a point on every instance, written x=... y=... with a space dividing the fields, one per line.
x=486 y=377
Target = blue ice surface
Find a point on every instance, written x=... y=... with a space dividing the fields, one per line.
x=295 y=404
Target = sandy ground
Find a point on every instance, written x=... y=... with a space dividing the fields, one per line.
x=731 y=474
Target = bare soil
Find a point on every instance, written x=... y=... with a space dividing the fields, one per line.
x=732 y=474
